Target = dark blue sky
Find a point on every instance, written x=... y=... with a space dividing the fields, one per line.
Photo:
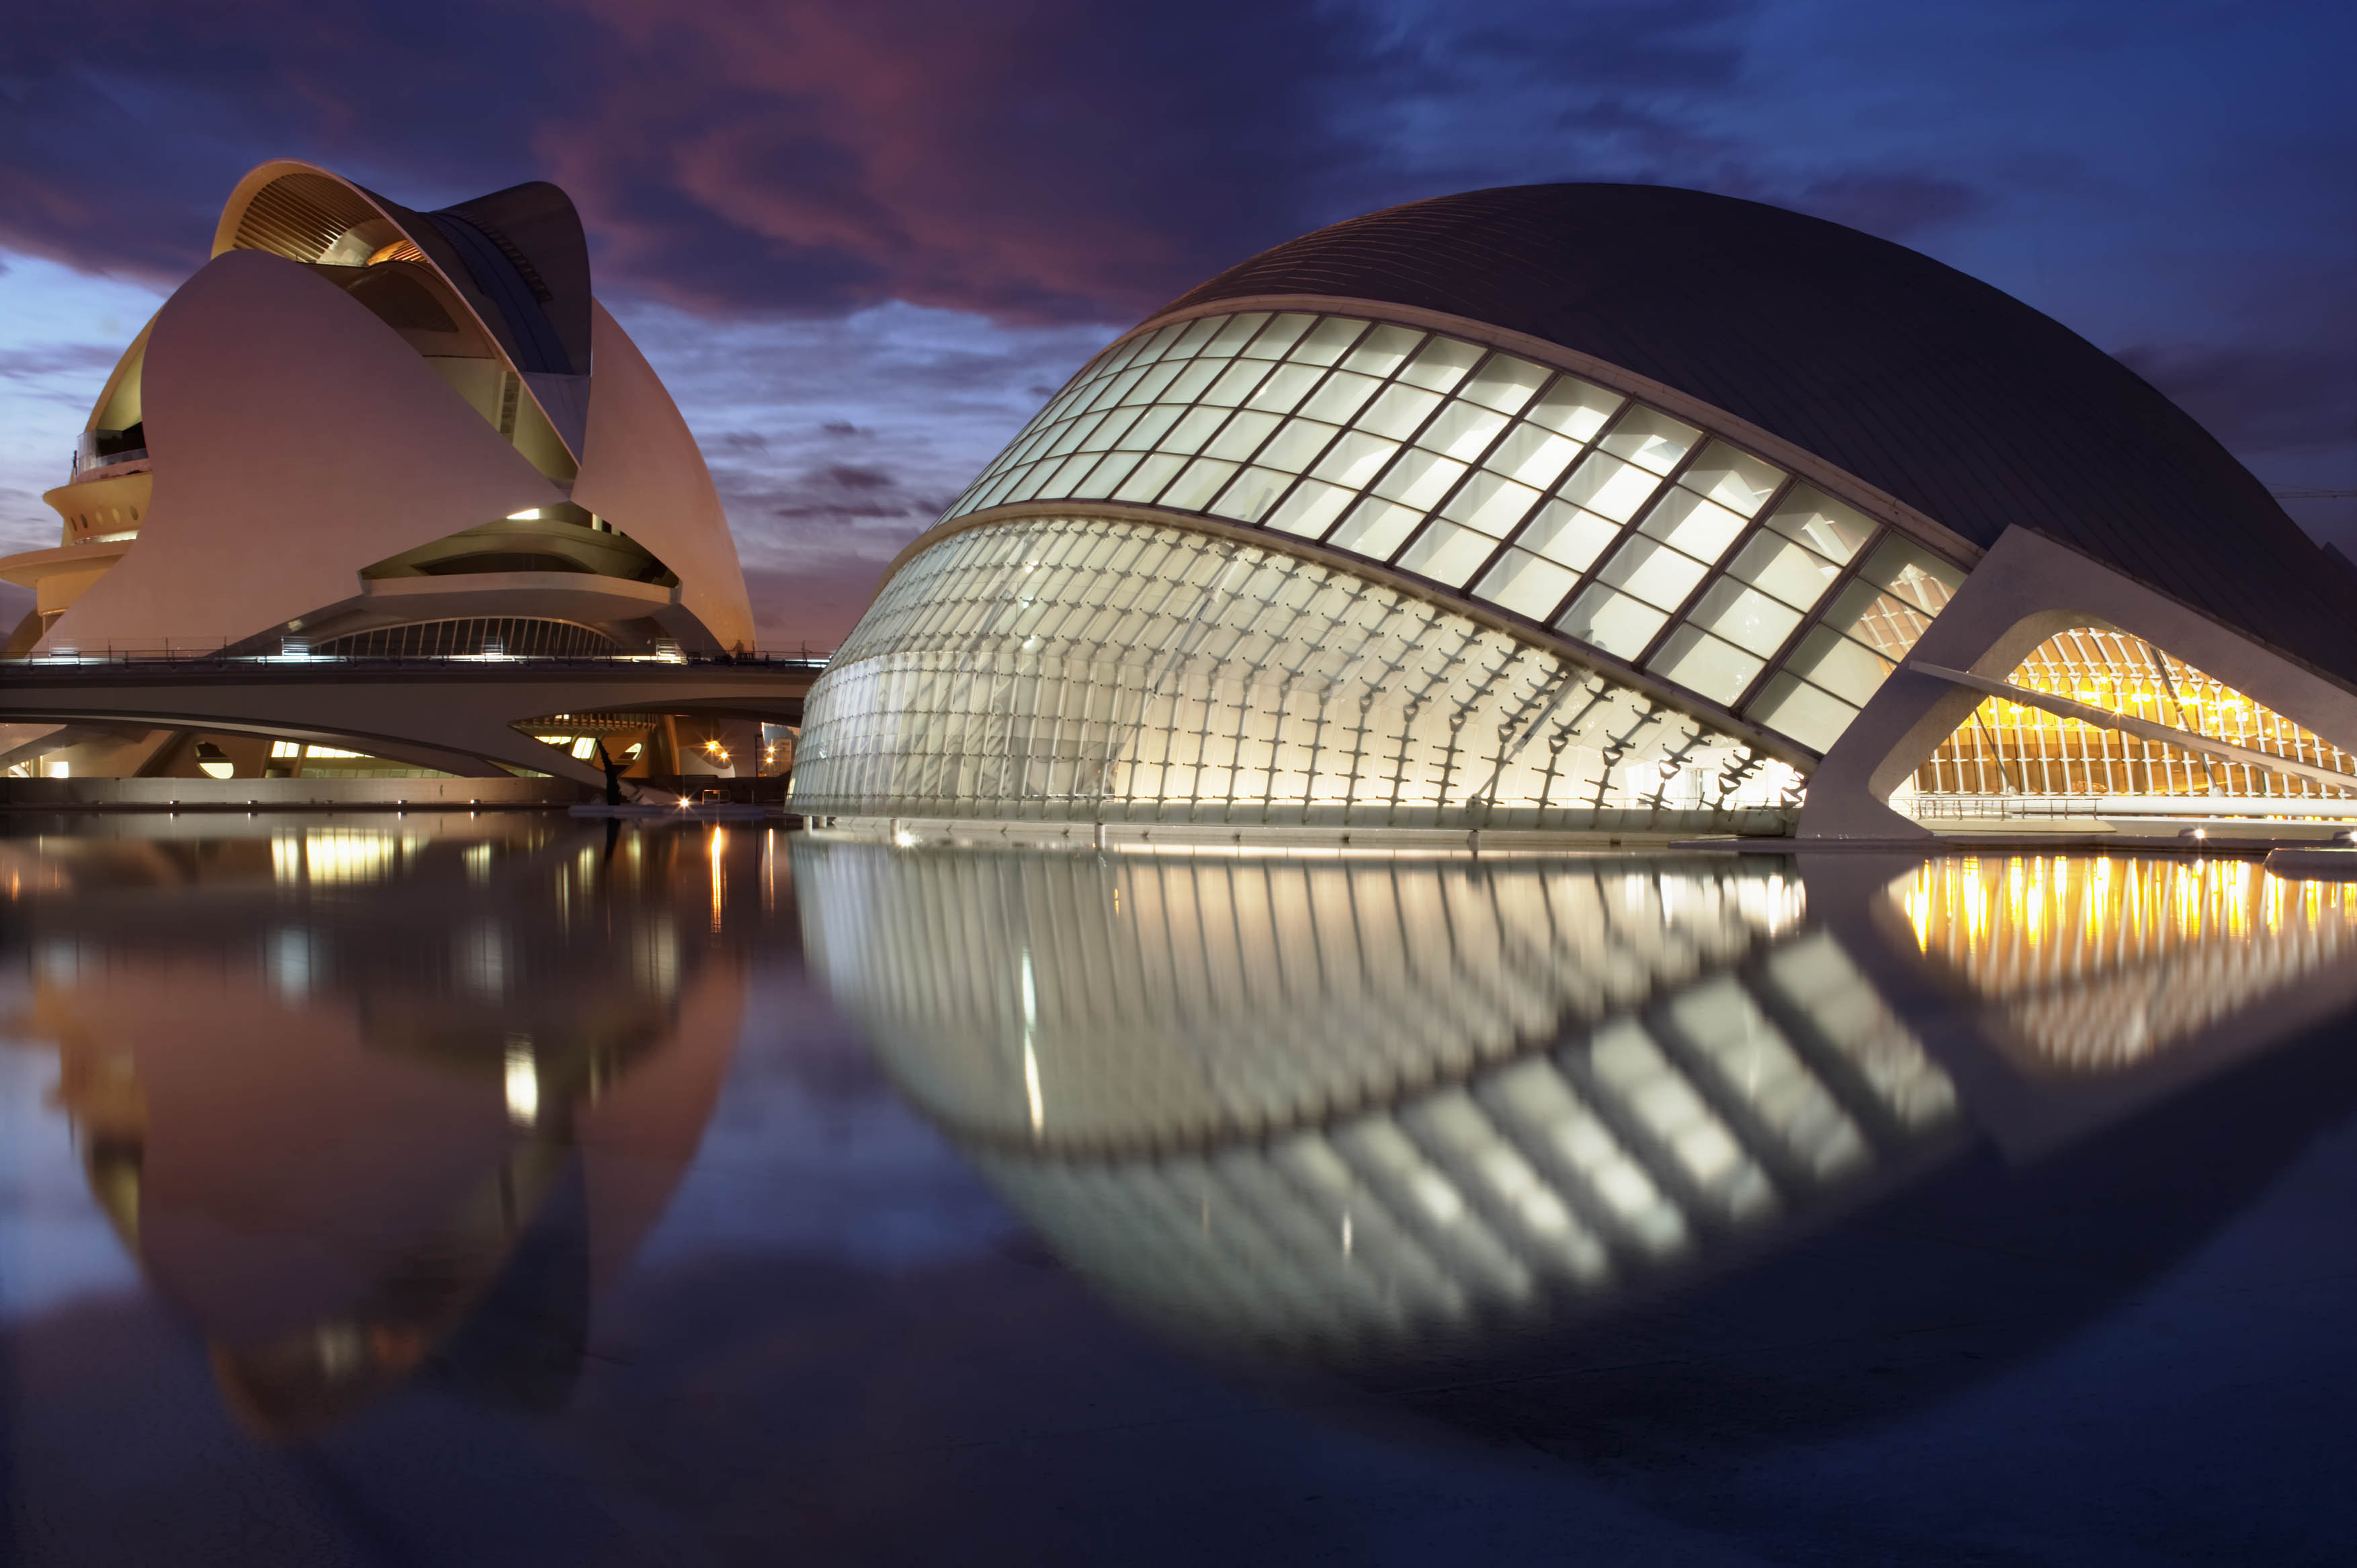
x=863 y=241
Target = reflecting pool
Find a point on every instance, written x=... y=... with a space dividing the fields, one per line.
x=501 y=1188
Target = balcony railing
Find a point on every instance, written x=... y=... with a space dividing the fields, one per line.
x=95 y=449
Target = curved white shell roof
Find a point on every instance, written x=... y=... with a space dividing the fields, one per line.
x=296 y=438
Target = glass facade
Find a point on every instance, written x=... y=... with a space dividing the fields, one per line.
x=1538 y=493
x=1089 y=669
x=1335 y=1104
x=2008 y=748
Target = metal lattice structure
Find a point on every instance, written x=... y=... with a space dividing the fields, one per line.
x=2010 y=748
x=1097 y=670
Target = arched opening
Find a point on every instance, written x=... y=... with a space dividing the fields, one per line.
x=2108 y=722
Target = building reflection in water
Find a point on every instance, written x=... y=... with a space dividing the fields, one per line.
x=368 y=1103
x=1350 y=1109
x=2098 y=963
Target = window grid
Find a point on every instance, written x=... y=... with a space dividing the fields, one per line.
x=1507 y=545
x=1772 y=661
x=1886 y=643
x=1629 y=540
x=1774 y=664
x=1383 y=384
x=1235 y=417
x=1514 y=530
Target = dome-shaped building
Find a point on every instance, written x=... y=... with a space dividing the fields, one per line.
x=1598 y=506
x=379 y=430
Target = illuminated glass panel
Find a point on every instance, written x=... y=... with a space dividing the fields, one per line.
x=1871 y=626
x=1533 y=490
x=1089 y=669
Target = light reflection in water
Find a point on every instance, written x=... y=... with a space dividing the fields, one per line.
x=1352 y=1106
x=400 y=1042
x=1336 y=1103
x=341 y=855
x=1346 y=1107
x=2100 y=962
x=713 y=849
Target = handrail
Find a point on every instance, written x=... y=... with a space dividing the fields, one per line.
x=1925 y=806
x=219 y=659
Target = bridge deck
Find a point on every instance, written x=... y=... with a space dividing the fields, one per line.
x=456 y=714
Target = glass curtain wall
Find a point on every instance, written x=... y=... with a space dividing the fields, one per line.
x=1546 y=496
x=1585 y=1076
x=1098 y=670
x=2008 y=748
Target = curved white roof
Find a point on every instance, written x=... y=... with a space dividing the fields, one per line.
x=301 y=429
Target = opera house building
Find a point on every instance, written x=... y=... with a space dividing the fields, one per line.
x=361 y=432
x=1604 y=509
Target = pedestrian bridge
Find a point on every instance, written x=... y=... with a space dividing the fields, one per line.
x=455 y=715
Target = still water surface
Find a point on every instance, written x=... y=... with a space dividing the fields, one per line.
x=488 y=1190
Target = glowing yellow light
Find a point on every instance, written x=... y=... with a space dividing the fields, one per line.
x=719 y=876
x=529 y=514
x=522 y=1080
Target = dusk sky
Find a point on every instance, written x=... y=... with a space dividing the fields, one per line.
x=864 y=241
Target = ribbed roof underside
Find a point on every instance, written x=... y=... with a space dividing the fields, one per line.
x=1957 y=399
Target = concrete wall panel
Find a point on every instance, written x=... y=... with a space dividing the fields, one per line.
x=643 y=473
x=296 y=438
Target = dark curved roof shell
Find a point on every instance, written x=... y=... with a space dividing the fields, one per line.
x=1955 y=397
x=524 y=248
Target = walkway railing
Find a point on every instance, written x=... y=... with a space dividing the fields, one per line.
x=172 y=660
x=1945 y=807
